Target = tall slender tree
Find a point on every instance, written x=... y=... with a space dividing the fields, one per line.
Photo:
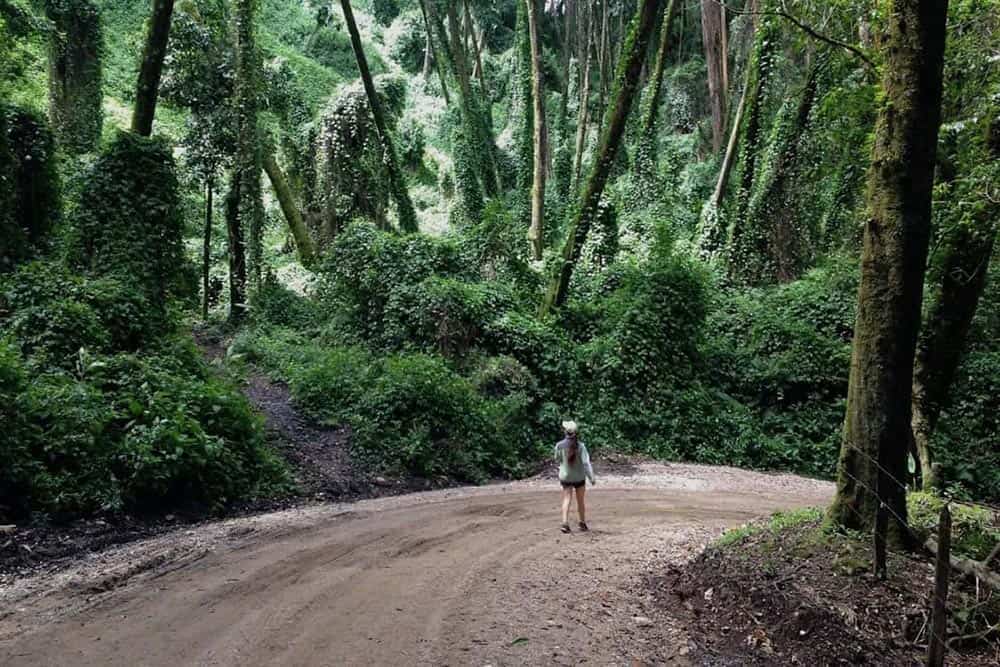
x=896 y=235
x=538 y=96
x=404 y=206
x=148 y=85
x=583 y=115
x=712 y=38
x=626 y=87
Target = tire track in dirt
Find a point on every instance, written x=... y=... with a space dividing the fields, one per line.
x=470 y=576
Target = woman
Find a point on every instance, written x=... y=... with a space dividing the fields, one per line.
x=574 y=470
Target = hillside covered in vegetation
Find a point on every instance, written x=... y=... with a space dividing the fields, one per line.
x=661 y=219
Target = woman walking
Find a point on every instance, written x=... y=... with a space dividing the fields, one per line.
x=574 y=471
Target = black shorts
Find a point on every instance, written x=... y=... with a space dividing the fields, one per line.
x=573 y=485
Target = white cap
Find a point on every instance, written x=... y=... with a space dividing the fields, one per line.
x=569 y=426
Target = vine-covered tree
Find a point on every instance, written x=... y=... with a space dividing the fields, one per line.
x=539 y=167
x=877 y=427
x=626 y=87
x=75 y=73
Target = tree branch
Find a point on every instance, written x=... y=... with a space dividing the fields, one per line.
x=853 y=50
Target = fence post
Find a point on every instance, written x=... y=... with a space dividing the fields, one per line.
x=939 y=616
x=881 y=528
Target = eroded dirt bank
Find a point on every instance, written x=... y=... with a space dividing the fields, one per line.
x=460 y=576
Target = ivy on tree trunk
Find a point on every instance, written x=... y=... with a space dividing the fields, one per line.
x=876 y=432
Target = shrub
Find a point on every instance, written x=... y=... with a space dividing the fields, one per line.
x=406 y=39
x=442 y=314
x=975 y=530
x=385 y=10
x=333 y=382
x=53 y=314
x=128 y=221
x=331 y=46
x=29 y=190
x=365 y=266
x=275 y=304
x=412 y=141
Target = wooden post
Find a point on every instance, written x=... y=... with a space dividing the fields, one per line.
x=939 y=616
x=881 y=527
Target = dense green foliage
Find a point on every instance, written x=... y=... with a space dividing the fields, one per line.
x=711 y=333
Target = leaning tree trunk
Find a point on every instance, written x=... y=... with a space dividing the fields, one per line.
x=711 y=230
x=433 y=52
x=877 y=424
x=646 y=157
x=404 y=206
x=303 y=241
x=148 y=86
x=75 y=75
x=538 y=96
x=942 y=340
x=712 y=31
x=750 y=145
x=626 y=86
x=583 y=115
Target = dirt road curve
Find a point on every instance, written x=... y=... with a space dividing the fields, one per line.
x=477 y=576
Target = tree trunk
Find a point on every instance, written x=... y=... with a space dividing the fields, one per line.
x=237 y=253
x=427 y=56
x=206 y=255
x=750 y=145
x=655 y=93
x=583 y=115
x=404 y=206
x=724 y=32
x=877 y=424
x=711 y=30
x=248 y=161
x=943 y=336
x=153 y=54
x=711 y=233
x=429 y=26
x=75 y=74
x=476 y=50
x=538 y=95
x=303 y=241
x=626 y=88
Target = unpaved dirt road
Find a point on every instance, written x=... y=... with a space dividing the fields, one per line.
x=473 y=576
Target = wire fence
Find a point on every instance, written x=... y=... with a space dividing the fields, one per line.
x=938 y=641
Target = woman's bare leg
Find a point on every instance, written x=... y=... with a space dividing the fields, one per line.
x=581 y=506
x=567 y=498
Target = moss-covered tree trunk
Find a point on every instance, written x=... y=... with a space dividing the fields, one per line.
x=876 y=433
x=148 y=86
x=296 y=225
x=750 y=144
x=626 y=86
x=646 y=155
x=404 y=206
x=248 y=155
x=715 y=56
x=538 y=97
x=75 y=74
x=967 y=249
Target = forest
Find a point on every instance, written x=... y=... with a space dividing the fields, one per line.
x=751 y=233
x=661 y=217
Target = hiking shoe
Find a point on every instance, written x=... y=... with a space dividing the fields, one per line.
x=564 y=528
x=583 y=526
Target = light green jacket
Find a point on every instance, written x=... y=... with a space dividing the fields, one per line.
x=577 y=471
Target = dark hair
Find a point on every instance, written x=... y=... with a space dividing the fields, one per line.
x=573 y=449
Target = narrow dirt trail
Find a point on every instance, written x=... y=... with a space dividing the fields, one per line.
x=470 y=576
